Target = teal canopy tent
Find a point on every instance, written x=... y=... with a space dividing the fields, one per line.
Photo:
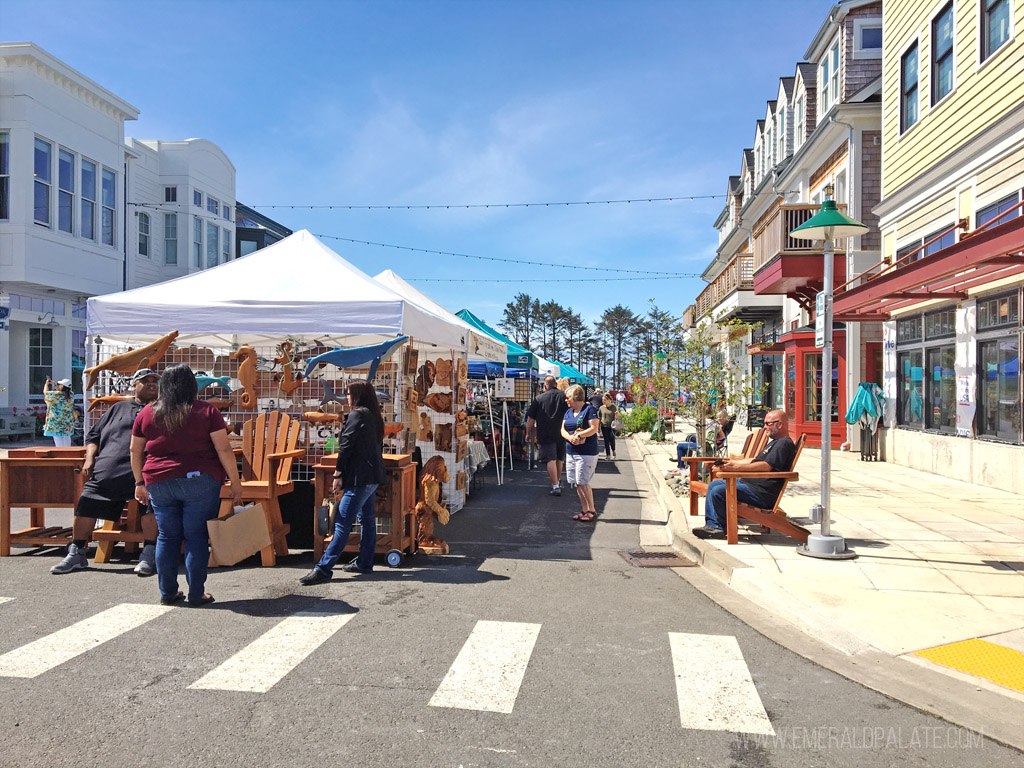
x=517 y=355
x=574 y=375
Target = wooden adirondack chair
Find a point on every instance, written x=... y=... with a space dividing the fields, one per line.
x=268 y=449
x=753 y=445
x=773 y=518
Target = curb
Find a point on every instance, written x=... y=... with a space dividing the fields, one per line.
x=963 y=702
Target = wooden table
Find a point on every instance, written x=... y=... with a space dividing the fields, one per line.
x=396 y=502
x=38 y=478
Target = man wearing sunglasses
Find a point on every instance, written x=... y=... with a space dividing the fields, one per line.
x=776 y=457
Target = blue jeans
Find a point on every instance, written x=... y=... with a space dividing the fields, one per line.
x=182 y=506
x=684 y=449
x=714 y=504
x=355 y=502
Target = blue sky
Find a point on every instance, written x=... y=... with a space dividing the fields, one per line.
x=429 y=102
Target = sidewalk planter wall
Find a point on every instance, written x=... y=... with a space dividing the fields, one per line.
x=982 y=462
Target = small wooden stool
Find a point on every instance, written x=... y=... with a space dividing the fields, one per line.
x=128 y=530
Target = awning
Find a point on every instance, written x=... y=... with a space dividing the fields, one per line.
x=979 y=258
x=517 y=355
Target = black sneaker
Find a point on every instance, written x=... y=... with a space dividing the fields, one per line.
x=314 y=577
x=353 y=568
x=704 y=532
x=556 y=491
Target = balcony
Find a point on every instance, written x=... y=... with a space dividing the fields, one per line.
x=737 y=276
x=688 y=318
x=790 y=266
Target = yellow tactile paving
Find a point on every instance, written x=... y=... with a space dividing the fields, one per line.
x=980 y=658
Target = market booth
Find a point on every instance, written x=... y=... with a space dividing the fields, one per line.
x=285 y=329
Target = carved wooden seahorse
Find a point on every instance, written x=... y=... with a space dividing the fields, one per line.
x=134 y=359
x=289 y=381
x=246 y=375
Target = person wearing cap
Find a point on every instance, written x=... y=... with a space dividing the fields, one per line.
x=60 y=411
x=109 y=482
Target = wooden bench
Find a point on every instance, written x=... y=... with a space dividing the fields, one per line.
x=128 y=530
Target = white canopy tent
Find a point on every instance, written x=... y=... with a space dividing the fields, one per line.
x=296 y=288
x=479 y=346
x=547 y=368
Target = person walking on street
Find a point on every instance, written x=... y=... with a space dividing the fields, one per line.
x=776 y=457
x=596 y=399
x=109 y=482
x=61 y=415
x=543 y=427
x=180 y=458
x=607 y=413
x=580 y=425
x=360 y=469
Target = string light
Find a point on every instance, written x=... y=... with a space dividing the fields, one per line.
x=541 y=280
x=507 y=261
x=448 y=206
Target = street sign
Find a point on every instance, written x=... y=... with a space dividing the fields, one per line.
x=819 y=320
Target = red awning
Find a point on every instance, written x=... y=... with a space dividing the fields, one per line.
x=979 y=258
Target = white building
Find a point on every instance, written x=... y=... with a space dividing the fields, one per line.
x=84 y=212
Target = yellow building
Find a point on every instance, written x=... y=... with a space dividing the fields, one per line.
x=949 y=287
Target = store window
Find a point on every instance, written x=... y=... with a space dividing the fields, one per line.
x=43 y=182
x=791 y=386
x=812 y=386
x=170 y=238
x=5 y=176
x=144 y=234
x=65 y=191
x=77 y=360
x=995 y=26
x=908 y=88
x=40 y=361
x=88 y=213
x=225 y=246
x=245 y=247
x=998 y=312
x=942 y=54
x=940 y=388
x=910 y=385
x=108 y=209
x=997 y=210
x=999 y=393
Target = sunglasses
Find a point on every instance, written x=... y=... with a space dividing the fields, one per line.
x=770 y=423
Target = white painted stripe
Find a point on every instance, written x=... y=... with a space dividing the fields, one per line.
x=489 y=669
x=260 y=665
x=713 y=683
x=53 y=650
x=5 y=599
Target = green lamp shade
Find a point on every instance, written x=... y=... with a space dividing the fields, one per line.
x=829 y=224
x=660 y=355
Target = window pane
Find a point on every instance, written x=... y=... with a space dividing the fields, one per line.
x=41 y=203
x=871 y=37
x=909 y=383
x=107 y=226
x=941 y=389
x=212 y=245
x=88 y=220
x=66 y=171
x=109 y=189
x=999 y=405
x=42 y=160
x=812 y=387
x=197 y=197
x=997 y=29
x=245 y=247
x=65 y=205
x=4 y=154
x=88 y=180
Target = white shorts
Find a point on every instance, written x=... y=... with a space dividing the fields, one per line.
x=580 y=469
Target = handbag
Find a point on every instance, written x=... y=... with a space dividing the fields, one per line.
x=325 y=515
x=617 y=423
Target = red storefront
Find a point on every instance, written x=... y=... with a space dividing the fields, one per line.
x=803 y=384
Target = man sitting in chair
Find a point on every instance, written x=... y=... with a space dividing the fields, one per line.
x=776 y=457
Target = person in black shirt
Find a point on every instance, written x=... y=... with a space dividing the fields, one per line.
x=776 y=457
x=109 y=480
x=544 y=427
x=596 y=399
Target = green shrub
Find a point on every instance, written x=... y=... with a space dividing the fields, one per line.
x=640 y=419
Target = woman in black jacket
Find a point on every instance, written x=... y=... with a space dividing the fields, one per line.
x=359 y=471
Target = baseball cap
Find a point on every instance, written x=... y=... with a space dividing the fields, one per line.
x=143 y=373
x=65 y=382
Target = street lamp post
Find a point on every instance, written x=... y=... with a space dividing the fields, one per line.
x=827 y=225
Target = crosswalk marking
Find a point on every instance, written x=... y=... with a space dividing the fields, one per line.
x=714 y=687
x=61 y=646
x=489 y=669
x=5 y=599
x=261 y=664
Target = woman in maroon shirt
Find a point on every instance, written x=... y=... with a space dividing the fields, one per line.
x=180 y=457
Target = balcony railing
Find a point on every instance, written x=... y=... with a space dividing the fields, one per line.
x=738 y=275
x=771 y=233
x=688 y=318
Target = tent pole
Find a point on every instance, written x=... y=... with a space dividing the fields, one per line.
x=490 y=413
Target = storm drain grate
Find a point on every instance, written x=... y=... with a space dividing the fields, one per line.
x=657 y=559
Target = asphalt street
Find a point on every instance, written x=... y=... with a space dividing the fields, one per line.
x=592 y=656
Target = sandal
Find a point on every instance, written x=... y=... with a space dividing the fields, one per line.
x=586 y=517
x=173 y=598
x=579 y=515
x=204 y=600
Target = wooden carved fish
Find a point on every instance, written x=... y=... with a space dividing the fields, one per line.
x=319 y=417
x=96 y=402
x=134 y=359
x=246 y=375
x=209 y=381
x=220 y=403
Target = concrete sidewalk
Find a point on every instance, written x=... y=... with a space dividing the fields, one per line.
x=940 y=562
